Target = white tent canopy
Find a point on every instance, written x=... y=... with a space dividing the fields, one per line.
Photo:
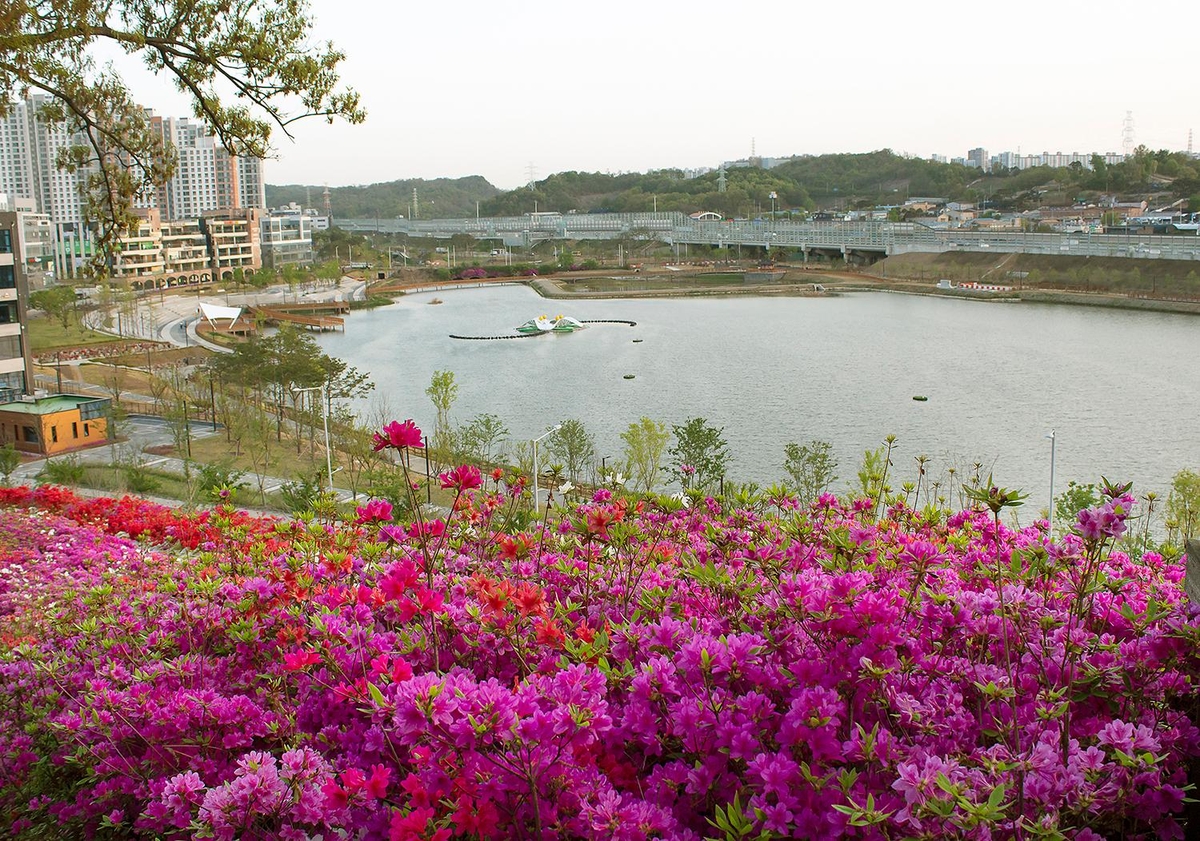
x=213 y=312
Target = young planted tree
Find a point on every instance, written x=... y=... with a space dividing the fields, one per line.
x=1183 y=507
x=481 y=437
x=574 y=446
x=700 y=454
x=811 y=468
x=442 y=392
x=248 y=69
x=645 y=445
x=10 y=460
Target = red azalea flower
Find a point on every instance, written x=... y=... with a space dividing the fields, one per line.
x=376 y=785
x=465 y=477
x=548 y=633
x=298 y=660
x=597 y=522
x=335 y=796
x=498 y=474
x=398 y=435
x=530 y=601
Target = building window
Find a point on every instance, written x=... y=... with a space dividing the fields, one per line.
x=8 y=279
x=10 y=347
x=74 y=429
x=54 y=434
x=87 y=430
x=5 y=241
x=30 y=434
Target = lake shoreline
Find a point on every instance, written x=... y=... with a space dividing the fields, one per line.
x=558 y=288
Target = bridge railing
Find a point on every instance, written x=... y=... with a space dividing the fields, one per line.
x=887 y=237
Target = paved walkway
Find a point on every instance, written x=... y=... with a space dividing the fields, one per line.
x=143 y=432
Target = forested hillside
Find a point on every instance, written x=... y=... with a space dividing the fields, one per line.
x=800 y=184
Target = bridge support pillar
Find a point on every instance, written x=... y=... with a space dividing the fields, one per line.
x=804 y=250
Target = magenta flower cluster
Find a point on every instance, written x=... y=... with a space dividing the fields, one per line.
x=635 y=671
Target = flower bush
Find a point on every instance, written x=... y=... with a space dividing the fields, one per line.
x=638 y=669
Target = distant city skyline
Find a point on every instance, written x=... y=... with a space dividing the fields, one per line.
x=467 y=88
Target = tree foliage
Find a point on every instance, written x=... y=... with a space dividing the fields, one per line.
x=700 y=454
x=1183 y=506
x=249 y=67
x=811 y=468
x=574 y=446
x=645 y=444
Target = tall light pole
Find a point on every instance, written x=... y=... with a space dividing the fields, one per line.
x=325 y=419
x=773 y=196
x=1051 y=517
x=549 y=430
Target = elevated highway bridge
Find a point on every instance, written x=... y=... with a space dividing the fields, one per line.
x=856 y=242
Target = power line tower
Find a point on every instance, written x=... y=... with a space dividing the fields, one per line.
x=721 y=179
x=415 y=207
x=530 y=175
x=1189 y=143
x=328 y=203
x=1127 y=134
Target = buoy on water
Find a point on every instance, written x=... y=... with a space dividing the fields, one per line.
x=629 y=376
x=920 y=398
x=635 y=341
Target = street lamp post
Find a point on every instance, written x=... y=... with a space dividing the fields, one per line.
x=1051 y=509
x=549 y=430
x=325 y=420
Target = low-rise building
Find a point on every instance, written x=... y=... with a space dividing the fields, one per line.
x=50 y=424
x=287 y=237
x=234 y=240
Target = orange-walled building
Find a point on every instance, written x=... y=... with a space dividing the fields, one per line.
x=54 y=424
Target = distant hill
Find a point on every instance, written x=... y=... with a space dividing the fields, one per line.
x=805 y=182
x=440 y=197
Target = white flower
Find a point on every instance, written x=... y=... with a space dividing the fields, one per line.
x=684 y=499
x=565 y=488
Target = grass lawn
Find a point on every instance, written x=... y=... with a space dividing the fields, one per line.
x=47 y=334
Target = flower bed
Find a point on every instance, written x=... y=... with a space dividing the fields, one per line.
x=638 y=670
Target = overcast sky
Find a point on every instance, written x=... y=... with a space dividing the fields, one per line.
x=465 y=87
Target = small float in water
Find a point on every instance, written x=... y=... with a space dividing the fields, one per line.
x=436 y=301
x=629 y=376
x=636 y=341
x=920 y=398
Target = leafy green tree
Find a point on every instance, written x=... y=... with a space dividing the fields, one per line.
x=645 y=445
x=1074 y=499
x=1183 y=506
x=700 y=454
x=811 y=468
x=57 y=302
x=574 y=446
x=248 y=69
x=10 y=460
x=442 y=392
x=482 y=435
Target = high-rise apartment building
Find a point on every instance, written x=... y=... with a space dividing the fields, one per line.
x=207 y=177
x=15 y=361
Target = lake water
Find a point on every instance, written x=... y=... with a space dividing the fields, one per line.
x=1118 y=387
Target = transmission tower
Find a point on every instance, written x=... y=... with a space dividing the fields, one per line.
x=721 y=179
x=1127 y=134
x=1189 y=143
x=328 y=203
x=530 y=174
